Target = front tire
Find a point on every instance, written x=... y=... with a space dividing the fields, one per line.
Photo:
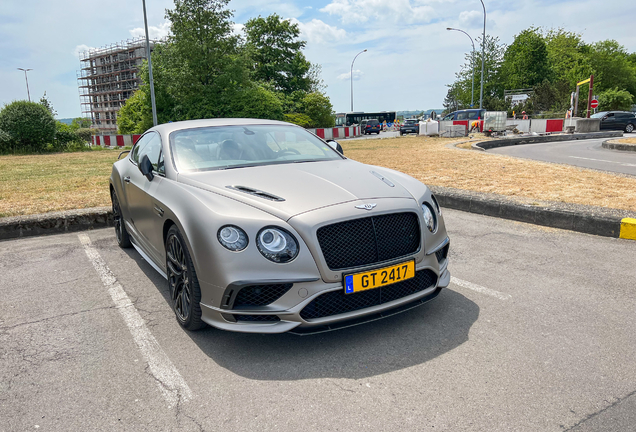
x=123 y=239
x=185 y=293
x=629 y=128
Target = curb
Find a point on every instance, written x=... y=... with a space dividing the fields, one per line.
x=487 y=145
x=589 y=220
x=613 y=145
x=55 y=223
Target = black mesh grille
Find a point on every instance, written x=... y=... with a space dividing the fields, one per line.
x=370 y=240
x=442 y=253
x=256 y=318
x=337 y=302
x=260 y=295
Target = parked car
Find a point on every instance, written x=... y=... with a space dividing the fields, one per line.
x=260 y=226
x=410 y=126
x=467 y=114
x=370 y=126
x=617 y=120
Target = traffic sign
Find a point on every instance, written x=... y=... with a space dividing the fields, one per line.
x=594 y=104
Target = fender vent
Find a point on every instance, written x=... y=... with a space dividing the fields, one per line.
x=256 y=192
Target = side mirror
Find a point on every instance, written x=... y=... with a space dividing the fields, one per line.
x=146 y=167
x=336 y=146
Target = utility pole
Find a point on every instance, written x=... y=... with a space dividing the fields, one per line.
x=472 y=92
x=483 y=57
x=152 y=84
x=27 y=81
x=354 y=60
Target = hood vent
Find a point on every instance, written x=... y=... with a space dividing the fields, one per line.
x=256 y=192
x=384 y=179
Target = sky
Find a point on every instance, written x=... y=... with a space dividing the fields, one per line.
x=411 y=57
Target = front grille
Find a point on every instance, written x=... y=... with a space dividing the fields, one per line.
x=337 y=302
x=260 y=295
x=257 y=318
x=369 y=240
x=442 y=254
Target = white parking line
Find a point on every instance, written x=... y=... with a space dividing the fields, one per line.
x=480 y=289
x=171 y=384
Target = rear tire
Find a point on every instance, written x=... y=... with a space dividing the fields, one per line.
x=629 y=128
x=183 y=284
x=123 y=239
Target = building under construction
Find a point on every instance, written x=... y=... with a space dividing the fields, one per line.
x=107 y=77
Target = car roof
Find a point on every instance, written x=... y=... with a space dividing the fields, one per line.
x=168 y=128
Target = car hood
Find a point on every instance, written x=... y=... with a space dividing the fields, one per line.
x=301 y=187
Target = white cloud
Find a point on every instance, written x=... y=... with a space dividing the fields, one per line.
x=154 y=32
x=360 y=11
x=319 y=32
x=238 y=29
x=471 y=19
x=80 y=49
x=357 y=74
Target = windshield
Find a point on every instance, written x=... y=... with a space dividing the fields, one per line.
x=599 y=115
x=225 y=147
x=411 y=122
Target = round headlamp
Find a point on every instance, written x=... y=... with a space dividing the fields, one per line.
x=437 y=207
x=429 y=217
x=277 y=245
x=232 y=238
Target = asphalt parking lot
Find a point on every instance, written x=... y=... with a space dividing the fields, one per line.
x=536 y=333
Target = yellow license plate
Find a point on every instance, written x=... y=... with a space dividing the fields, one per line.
x=378 y=278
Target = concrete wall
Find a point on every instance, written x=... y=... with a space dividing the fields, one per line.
x=585 y=125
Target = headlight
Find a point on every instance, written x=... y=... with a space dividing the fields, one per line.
x=232 y=238
x=277 y=245
x=429 y=217
x=437 y=207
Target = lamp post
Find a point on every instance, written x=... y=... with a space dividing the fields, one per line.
x=152 y=84
x=27 y=81
x=483 y=56
x=354 y=60
x=472 y=92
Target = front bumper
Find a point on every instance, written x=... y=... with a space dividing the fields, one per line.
x=291 y=320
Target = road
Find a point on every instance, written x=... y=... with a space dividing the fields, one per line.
x=536 y=333
x=583 y=153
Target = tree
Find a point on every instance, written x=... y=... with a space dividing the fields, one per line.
x=615 y=100
x=29 y=125
x=257 y=101
x=319 y=109
x=81 y=123
x=612 y=67
x=525 y=63
x=135 y=117
x=568 y=56
x=274 y=47
x=44 y=101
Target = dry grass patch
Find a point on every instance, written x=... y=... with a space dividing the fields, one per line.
x=625 y=141
x=430 y=161
x=63 y=181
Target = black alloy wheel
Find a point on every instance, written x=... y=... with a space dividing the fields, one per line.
x=183 y=284
x=123 y=239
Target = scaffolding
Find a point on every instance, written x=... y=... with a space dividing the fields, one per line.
x=108 y=76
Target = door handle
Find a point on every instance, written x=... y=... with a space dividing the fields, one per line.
x=127 y=179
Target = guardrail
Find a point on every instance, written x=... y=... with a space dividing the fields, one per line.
x=539 y=126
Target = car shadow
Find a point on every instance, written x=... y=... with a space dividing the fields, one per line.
x=390 y=344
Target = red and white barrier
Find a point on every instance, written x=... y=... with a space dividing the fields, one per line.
x=114 y=140
x=537 y=125
x=337 y=132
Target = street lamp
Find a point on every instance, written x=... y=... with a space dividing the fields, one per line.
x=472 y=92
x=483 y=56
x=354 y=60
x=152 y=84
x=27 y=81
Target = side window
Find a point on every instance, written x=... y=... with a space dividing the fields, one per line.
x=161 y=167
x=152 y=149
x=472 y=115
x=462 y=115
x=141 y=143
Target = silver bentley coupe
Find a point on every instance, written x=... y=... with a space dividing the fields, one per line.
x=260 y=226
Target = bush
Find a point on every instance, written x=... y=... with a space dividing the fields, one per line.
x=5 y=142
x=615 y=100
x=318 y=107
x=30 y=126
x=85 y=133
x=299 y=119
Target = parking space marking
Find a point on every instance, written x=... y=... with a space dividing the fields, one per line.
x=480 y=289
x=171 y=384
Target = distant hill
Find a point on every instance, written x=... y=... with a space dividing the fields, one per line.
x=67 y=121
